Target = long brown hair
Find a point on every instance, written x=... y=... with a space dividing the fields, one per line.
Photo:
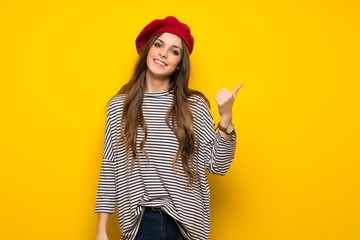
x=179 y=117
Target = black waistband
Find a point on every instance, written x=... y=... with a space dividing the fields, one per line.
x=154 y=209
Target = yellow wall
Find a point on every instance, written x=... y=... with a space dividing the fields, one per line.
x=296 y=172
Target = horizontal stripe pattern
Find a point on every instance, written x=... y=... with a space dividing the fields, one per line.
x=153 y=181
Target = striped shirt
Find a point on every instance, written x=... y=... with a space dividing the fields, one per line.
x=153 y=181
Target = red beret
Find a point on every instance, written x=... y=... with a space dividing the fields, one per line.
x=171 y=25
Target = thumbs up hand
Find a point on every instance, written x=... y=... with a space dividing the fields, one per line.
x=225 y=100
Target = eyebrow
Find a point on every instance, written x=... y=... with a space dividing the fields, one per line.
x=172 y=45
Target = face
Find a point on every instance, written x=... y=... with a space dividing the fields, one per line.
x=164 y=56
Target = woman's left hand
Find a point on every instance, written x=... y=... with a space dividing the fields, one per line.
x=225 y=100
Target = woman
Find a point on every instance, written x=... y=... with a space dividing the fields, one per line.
x=159 y=141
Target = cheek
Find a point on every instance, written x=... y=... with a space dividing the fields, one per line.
x=149 y=56
x=152 y=51
x=177 y=62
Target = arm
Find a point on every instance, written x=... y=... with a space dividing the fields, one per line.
x=105 y=197
x=225 y=100
x=102 y=225
x=221 y=147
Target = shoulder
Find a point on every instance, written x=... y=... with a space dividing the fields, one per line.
x=115 y=105
x=199 y=107
x=198 y=102
x=116 y=100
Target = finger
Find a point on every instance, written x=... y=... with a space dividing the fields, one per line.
x=224 y=93
x=237 y=89
x=219 y=101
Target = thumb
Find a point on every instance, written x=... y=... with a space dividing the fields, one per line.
x=236 y=89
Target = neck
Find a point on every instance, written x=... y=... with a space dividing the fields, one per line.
x=157 y=84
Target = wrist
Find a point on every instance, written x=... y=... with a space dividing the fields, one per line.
x=101 y=229
x=225 y=121
x=226 y=116
x=227 y=129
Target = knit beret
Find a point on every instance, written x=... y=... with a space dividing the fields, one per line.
x=171 y=25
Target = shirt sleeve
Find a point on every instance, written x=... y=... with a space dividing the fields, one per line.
x=105 y=197
x=217 y=152
x=222 y=154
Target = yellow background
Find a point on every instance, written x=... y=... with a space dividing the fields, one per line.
x=296 y=171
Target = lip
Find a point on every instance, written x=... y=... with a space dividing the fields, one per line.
x=159 y=62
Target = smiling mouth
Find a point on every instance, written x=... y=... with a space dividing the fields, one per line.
x=160 y=62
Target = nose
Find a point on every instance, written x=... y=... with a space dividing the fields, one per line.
x=162 y=54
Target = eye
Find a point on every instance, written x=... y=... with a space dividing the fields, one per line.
x=157 y=44
x=175 y=52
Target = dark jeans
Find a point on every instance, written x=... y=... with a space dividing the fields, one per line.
x=157 y=225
